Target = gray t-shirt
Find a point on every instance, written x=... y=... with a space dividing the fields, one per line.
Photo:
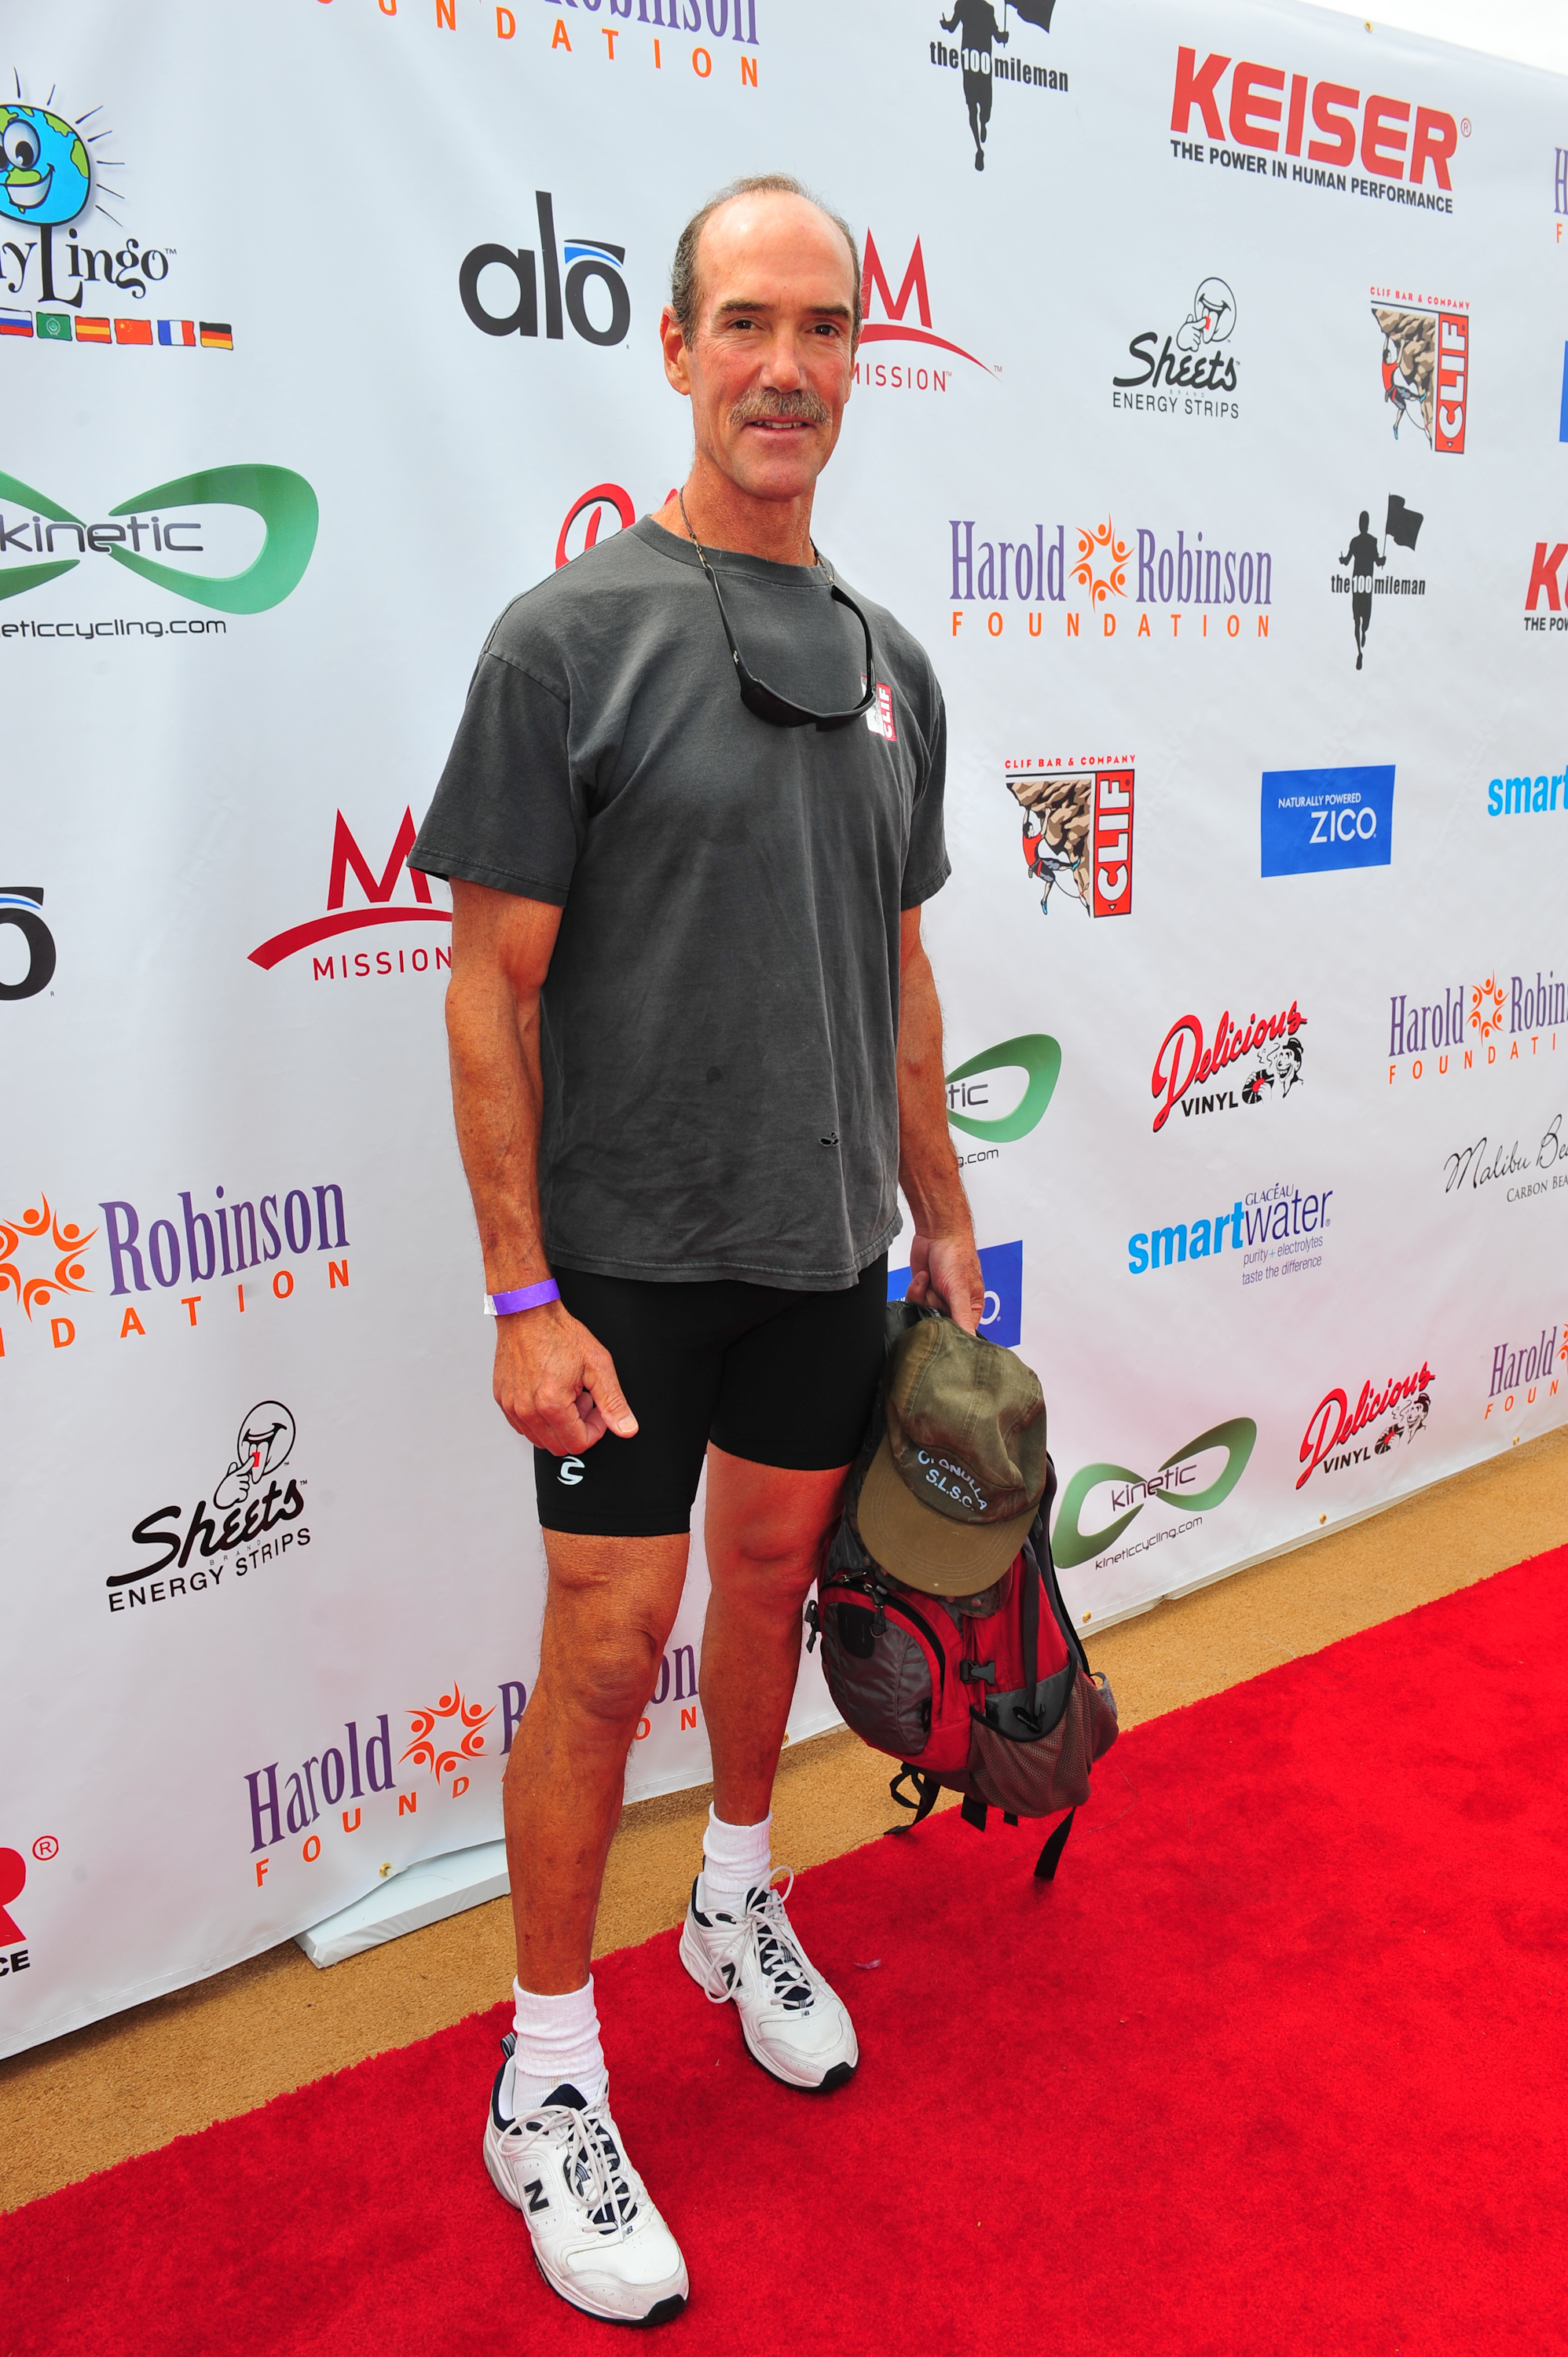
x=720 y=1020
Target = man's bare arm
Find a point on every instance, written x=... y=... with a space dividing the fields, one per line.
x=552 y=1382
x=942 y=1258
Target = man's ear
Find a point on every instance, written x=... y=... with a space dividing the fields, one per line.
x=672 y=342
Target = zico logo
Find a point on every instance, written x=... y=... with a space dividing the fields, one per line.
x=969 y=1088
x=1405 y=1401
x=1183 y=1059
x=1265 y=121
x=1544 y=581
x=250 y=1512
x=586 y=259
x=1425 y=364
x=285 y=502
x=377 y=891
x=1175 y=1484
x=1078 y=831
x=1313 y=819
x=19 y=908
x=894 y=327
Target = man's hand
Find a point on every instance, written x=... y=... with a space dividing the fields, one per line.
x=949 y=1268
x=555 y=1385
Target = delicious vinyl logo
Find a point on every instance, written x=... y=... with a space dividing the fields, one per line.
x=381 y=910
x=1184 y=1061
x=1318 y=819
x=1183 y=1480
x=1077 y=830
x=284 y=500
x=1397 y=1412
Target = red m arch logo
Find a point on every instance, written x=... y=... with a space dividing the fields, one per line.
x=876 y=286
x=347 y=856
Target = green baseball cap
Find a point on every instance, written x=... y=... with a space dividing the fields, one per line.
x=950 y=1494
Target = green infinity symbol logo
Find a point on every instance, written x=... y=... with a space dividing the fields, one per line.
x=1040 y=1058
x=284 y=502
x=1070 y=1545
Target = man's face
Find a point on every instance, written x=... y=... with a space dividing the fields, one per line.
x=769 y=367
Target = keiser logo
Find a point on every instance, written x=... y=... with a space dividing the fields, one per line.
x=1077 y=830
x=1425 y=364
x=1176 y=1483
x=980 y=39
x=1268 y=128
x=284 y=500
x=39 y=1232
x=1193 y=369
x=588 y=262
x=1397 y=1412
x=1277 y=1231
x=1527 y=1367
x=261 y=1449
x=1002 y=1313
x=1184 y=1061
x=51 y=176
x=1315 y=818
x=21 y=908
x=1507 y=1017
x=896 y=327
x=970 y=1085
x=1111 y=570
x=1366 y=579
x=1545 y=581
x=14 y=1953
x=378 y=910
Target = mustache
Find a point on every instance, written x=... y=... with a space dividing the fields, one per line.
x=805 y=406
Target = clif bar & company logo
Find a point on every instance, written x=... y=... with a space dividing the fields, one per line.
x=1397 y=1412
x=1078 y=831
x=251 y=1515
x=570 y=268
x=1291 y=128
x=378 y=910
x=1425 y=363
x=1183 y=1480
x=1183 y=1061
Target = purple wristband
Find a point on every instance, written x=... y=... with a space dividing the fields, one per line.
x=522 y=1296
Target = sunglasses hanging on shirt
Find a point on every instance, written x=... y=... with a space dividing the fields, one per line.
x=755 y=694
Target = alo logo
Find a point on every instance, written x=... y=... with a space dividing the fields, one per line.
x=261 y=1449
x=284 y=500
x=20 y=907
x=377 y=891
x=586 y=259
x=1175 y=1484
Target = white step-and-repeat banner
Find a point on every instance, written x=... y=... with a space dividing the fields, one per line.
x=1208 y=429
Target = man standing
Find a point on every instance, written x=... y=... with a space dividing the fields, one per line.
x=975 y=21
x=1360 y=556
x=691 y=812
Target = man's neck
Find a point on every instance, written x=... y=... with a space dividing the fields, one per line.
x=721 y=515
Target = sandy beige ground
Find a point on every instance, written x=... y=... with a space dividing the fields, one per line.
x=206 y=2053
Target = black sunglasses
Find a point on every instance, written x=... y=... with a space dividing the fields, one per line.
x=765 y=701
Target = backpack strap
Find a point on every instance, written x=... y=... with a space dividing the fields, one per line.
x=973 y=1813
x=924 y=1800
x=1050 y=1857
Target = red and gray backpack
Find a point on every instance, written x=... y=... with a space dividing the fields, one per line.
x=990 y=1696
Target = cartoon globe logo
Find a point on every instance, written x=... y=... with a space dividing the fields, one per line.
x=45 y=172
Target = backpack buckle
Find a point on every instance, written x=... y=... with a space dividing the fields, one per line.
x=978 y=1673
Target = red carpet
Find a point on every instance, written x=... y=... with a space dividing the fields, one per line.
x=1277 y=2064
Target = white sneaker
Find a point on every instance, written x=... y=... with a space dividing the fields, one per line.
x=791 y=2021
x=598 y=2239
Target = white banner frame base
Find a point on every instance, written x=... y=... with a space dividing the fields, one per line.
x=422 y=1894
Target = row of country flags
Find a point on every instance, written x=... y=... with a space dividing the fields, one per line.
x=66 y=326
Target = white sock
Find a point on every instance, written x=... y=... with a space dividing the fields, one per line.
x=735 y=1859
x=557 y=2040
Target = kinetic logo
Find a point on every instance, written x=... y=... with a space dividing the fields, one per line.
x=1316 y=819
x=1184 y=1061
x=20 y=910
x=969 y=1087
x=1425 y=366
x=896 y=327
x=977 y=57
x=1078 y=831
x=1398 y=1411
x=285 y=502
x=377 y=891
x=1269 y=125
x=63 y=1247
x=1175 y=1484
x=586 y=259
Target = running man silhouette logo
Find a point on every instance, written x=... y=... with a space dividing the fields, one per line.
x=980 y=35
x=1401 y=525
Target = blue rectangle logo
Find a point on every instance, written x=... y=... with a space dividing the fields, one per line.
x=1327 y=818
x=1002 y=1266
x=1563 y=414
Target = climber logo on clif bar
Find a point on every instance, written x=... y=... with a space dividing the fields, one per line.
x=1287 y=126
x=1425 y=365
x=1078 y=831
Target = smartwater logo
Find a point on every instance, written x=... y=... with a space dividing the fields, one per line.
x=1318 y=819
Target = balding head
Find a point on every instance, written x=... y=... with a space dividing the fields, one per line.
x=685 y=272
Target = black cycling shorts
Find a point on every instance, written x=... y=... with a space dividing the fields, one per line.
x=776 y=1377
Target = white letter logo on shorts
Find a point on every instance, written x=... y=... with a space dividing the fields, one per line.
x=570 y=1471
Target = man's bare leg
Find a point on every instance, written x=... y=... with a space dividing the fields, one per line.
x=765 y=1527
x=608 y=1612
